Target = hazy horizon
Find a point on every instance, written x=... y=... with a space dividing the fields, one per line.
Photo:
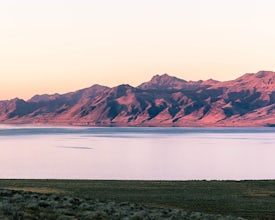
x=61 y=46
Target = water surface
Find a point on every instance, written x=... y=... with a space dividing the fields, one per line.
x=137 y=153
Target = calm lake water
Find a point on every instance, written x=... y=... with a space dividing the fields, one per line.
x=137 y=153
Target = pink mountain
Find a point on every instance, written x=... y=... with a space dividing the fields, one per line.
x=163 y=101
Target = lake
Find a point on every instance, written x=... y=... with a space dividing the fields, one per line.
x=137 y=153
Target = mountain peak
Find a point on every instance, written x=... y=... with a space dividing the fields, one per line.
x=164 y=78
x=264 y=73
x=163 y=81
x=260 y=74
x=44 y=98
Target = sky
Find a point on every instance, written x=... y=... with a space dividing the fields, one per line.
x=49 y=46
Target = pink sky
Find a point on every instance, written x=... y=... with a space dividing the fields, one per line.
x=60 y=46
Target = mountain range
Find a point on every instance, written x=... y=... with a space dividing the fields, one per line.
x=163 y=101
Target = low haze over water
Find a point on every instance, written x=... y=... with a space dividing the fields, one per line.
x=137 y=153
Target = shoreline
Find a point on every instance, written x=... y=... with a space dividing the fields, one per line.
x=133 y=126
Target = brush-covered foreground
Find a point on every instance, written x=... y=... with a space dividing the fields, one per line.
x=87 y=199
x=28 y=205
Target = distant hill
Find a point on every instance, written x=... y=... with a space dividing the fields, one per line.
x=163 y=101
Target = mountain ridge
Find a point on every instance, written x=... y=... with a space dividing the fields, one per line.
x=165 y=100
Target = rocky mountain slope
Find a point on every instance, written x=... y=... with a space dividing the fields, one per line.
x=163 y=101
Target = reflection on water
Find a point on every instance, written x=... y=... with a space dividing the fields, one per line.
x=137 y=153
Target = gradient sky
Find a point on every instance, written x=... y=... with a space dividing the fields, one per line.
x=50 y=46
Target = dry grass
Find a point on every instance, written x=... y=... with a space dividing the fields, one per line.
x=248 y=199
x=35 y=190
